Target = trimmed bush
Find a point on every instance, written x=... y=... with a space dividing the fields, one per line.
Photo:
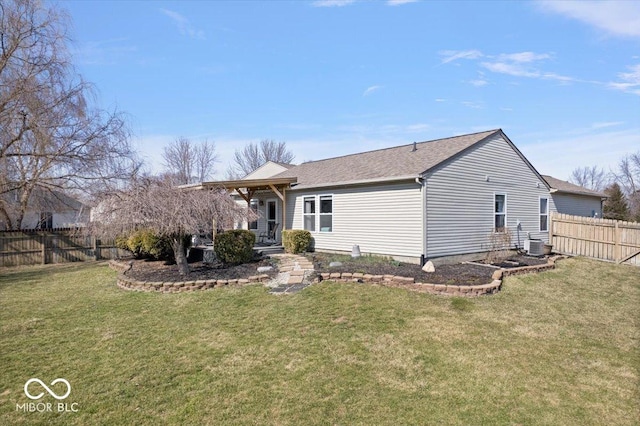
x=157 y=247
x=145 y=243
x=135 y=243
x=296 y=240
x=121 y=242
x=235 y=247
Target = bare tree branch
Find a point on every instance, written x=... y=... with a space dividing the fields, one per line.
x=188 y=162
x=51 y=137
x=254 y=155
x=593 y=177
x=170 y=211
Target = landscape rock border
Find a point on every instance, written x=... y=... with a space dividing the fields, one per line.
x=452 y=290
x=408 y=283
x=128 y=283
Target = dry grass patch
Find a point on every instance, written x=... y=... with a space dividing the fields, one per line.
x=560 y=347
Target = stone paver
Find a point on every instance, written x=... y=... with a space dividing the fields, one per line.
x=295 y=274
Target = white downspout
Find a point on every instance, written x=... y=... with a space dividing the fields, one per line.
x=423 y=192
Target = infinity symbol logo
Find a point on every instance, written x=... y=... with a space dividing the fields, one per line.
x=52 y=393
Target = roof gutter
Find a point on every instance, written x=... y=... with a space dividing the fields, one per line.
x=392 y=179
x=584 y=194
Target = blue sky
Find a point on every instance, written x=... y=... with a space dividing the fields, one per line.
x=334 y=77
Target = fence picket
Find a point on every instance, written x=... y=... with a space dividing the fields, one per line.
x=32 y=247
x=602 y=239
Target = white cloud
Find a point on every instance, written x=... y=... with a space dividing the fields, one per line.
x=183 y=24
x=523 y=57
x=342 y=3
x=440 y=100
x=479 y=82
x=629 y=81
x=370 y=90
x=604 y=124
x=454 y=55
x=473 y=105
x=418 y=128
x=104 y=52
x=332 y=3
x=523 y=64
x=399 y=2
x=621 y=18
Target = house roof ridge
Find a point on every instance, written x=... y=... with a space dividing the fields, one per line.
x=488 y=132
x=569 y=187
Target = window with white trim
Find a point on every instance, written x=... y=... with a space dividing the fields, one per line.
x=500 y=212
x=326 y=213
x=544 y=214
x=317 y=213
x=309 y=213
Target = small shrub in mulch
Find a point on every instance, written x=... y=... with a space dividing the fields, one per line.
x=459 y=274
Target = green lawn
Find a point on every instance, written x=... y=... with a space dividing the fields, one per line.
x=561 y=347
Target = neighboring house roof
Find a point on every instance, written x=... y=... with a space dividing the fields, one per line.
x=45 y=199
x=563 y=186
x=268 y=169
x=285 y=165
x=388 y=164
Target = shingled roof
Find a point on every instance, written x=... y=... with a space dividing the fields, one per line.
x=570 y=188
x=383 y=164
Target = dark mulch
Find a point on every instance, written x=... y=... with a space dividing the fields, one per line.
x=458 y=274
x=520 y=260
x=158 y=271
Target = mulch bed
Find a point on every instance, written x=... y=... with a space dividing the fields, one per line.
x=458 y=274
x=520 y=260
x=159 y=271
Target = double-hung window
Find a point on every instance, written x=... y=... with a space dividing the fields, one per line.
x=318 y=213
x=326 y=213
x=309 y=213
x=500 y=212
x=544 y=214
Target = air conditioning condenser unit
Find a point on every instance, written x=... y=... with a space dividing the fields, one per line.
x=534 y=247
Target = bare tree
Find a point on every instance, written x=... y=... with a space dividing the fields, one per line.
x=189 y=162
x=255 y=155
x=628 y=176
x=167 y=210
x=51 y=138
x=592 y=177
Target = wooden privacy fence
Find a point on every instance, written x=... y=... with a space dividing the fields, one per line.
x=603 y=239
x=35 y=247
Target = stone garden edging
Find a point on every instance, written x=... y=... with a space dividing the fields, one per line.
x=446 y=289
x=127 y=283
x=408 y=283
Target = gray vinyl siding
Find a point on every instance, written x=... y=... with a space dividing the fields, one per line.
x=460 y=200
x=381 y=219
x=577 y=205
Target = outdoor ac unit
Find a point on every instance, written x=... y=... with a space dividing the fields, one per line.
x=534 y=247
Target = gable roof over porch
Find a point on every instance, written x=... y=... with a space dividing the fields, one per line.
x=247 y=187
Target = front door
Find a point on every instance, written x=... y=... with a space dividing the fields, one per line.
x=272 y=219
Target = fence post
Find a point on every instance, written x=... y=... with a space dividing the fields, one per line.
x=551 y=214
x=616 y=236
x=44 y=248
x=94 y=247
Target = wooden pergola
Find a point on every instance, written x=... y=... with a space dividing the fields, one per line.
x=248 y=187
